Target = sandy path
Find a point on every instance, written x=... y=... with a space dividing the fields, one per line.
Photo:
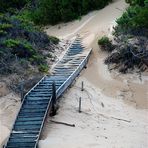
x=95 y=22
x=97 y=126
x=90 y=28
x=9 y=106
x=107 y=96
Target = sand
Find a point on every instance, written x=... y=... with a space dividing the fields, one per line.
x=9 y=106
x=105 y=122
x=114 y=106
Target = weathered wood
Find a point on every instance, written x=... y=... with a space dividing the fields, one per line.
x=67 y=124
x=80 y=105
x=82 y=86
x=54 y=98
x=121 y=119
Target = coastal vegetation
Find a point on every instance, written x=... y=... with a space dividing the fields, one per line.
x=21 y=45
x=106 y=44
x=22 y=41
x=52 y=11
x=130 y=39
x=26 y=51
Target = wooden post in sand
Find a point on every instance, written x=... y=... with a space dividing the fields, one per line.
x=80 y=100
x=80 y=105
x=82 y=87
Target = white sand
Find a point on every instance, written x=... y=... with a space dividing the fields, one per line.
x=115 y=106
x=4 y=132
x=9 y=105
x=96 y=126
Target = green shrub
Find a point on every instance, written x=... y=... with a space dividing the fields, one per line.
x=43 y=68
x=37 y=59
x=21 y=48
x=146 y=3
x=2 y=32
x=136 y=2
x=20 y=45
x=54 y=11
x=134 y=17
x=5 y=26
x=105 y=44
x=141 y=19
x=28 y=46
x=25 y=23
x=6 y=5
x=103 y=41
x=24 y=15
x=11 y=43
x=51 y=11
x=53 y=39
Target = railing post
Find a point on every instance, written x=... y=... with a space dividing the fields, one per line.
x=22 y=92
x=54 y=98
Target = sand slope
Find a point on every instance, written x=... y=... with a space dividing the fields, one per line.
x=105 y=122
